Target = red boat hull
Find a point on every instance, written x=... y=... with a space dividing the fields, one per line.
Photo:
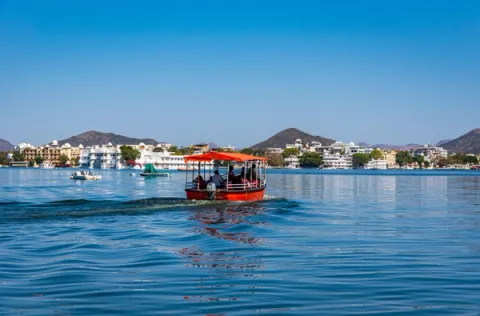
x=247 y=195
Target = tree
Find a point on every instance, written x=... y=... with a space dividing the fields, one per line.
x=376 y=154
x=173 y=149
x=290 y=152
x=310 y=160
x=76 y=160
x=426 y=164
x=39 y=160
x=275 y=160
x=419 y=160
x=31 y=163
x=360 y=160
x=403 y=158
x=473 y=160
x=129 y=153
x=63 y=159
x=17 y=156
x=247 y=151
x=4 y=159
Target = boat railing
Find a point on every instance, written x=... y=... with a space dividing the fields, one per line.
x=245 y=185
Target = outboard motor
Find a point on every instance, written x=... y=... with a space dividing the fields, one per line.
x=211 y=190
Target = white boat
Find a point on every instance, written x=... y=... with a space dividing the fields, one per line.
x=47 y=165
x=84 y=175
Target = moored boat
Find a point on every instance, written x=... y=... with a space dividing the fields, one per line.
x=245 y=184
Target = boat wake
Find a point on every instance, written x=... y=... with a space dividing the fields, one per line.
x=72 y=208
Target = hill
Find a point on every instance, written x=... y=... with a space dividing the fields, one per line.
x=288 y=136
x=468 y=143
x=91 y=138
x=5 y=145
x=440 y=143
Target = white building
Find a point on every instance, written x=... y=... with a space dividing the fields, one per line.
x=110 y=157
x=336 y=161
x=292 y=162
x=274 y=150
x=376 y=164
x=101 y=157
x=431 y=153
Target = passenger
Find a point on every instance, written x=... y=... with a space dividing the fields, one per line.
x=202 y=185
x=231 y=175
x=218 y=180
x=252 y=173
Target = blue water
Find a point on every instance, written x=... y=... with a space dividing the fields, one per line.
x=321 y=243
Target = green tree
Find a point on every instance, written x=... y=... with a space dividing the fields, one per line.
x=17 y=156
x=247 y=151
x=129 y=153
x=39 y=160
x=31 y=163
x=173 y=149
x=360 y=160
x=376 y=154
x=403 y=158
x=419 y=159
x=3 y=159
x=76 y=160
x=290 y=152
x=63 y=159
x=310 y=160
x=473 y=160
x=275 y=160
x=426 y=163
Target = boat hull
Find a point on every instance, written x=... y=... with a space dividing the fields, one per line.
x=240 y=195
x=155 y=174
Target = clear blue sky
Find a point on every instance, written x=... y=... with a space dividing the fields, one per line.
x=237 y=72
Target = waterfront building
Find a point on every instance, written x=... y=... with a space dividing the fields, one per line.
x=292 y=162
x=391 y=157
x=376 y=164
x=298 y=144
x=50 y=153
x=336 y=160
x=101 y=157
x=431 y=153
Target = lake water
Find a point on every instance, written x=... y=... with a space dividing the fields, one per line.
x=321 y=243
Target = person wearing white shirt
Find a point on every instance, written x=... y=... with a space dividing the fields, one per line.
x=217 y=179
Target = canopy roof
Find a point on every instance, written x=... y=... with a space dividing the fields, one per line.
x=215 y=155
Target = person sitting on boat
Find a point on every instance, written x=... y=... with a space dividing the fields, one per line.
x=202 y=185
x=231 y=175
x=252 y=173
x=218 y=180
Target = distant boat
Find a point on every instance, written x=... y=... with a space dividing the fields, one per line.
x=150 y=171
x=83 y=175
x=47 y=165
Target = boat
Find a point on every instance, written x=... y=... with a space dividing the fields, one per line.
x=150 y=171
x=245 y=186
x=47 y=165
x=84 y=175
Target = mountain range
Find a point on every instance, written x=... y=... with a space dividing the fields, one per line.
x=467 y=143
x=5 y=145
x=91 y=138
x=288 y=136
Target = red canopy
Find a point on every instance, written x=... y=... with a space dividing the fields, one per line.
x=215 y=155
